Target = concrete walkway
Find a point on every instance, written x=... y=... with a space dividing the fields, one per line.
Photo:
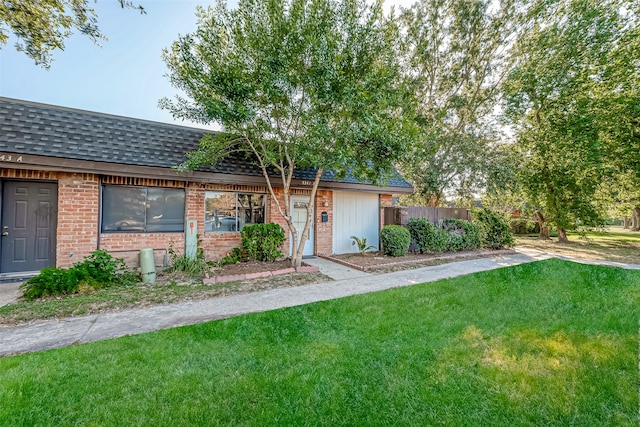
x=334 y=270
x=64 y=332
x=9 y=293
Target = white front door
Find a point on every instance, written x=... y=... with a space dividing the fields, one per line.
x=299 y=205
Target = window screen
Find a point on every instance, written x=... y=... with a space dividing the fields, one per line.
x=142 y=209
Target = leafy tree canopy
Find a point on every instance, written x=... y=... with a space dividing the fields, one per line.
x=41 y=26
x=454 y=57
x=294 y=84
x=554 y=96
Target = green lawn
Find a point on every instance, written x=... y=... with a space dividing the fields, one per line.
x=547 y=343
x=615 y=244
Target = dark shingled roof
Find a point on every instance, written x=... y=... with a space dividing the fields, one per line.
x=39 y=129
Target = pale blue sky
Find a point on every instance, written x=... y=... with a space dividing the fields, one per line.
x=126 y=76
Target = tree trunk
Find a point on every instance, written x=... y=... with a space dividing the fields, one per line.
x=626 y=222
x=635 y=219
x=544 y=230
x=296 y=256
x=562 y=235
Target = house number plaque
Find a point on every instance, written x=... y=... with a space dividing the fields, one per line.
x=10 y=158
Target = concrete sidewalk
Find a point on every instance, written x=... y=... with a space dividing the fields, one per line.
x=64 y=332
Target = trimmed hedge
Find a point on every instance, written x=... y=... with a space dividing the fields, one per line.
x=427 y=237
x=463 y=235
x=395 y=240
x=494 y=229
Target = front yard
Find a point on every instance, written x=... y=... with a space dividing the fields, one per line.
x=175 y=287
x=546 y=343
x=616 y=244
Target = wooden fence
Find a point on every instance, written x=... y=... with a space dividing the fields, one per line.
x=400 y=216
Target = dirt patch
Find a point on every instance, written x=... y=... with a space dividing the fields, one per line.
x=377 y=263
x=249 y=267
x=238 y=269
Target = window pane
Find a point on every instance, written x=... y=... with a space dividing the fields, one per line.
x=251 y=209
x=165 y=209
x=142 y=209
x=123 y=208
x=220 y=212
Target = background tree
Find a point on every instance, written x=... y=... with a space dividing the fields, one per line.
x=619 y=197
x=617 y=102
x=42 y=26
x=561 y=64
x=454 y=57
x=294 y=84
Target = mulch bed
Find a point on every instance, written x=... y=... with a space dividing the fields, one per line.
x=372 y=261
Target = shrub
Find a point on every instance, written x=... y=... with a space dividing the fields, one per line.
x=395 y=240
x=193 y=266
x=97 y=270
x=100 y=270
x=494 y=229
x=51 y=281
x=262 y=241
x=463 y=235
x=428 y=237
x=362 y=244
x=232 y=257
x=524 y=226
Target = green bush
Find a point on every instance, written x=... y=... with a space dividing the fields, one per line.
x=463 y=235
x=232 y=257
x=262 y=241
x=193 y=266
x=395 y=240
x=524 y=226
x=51 y=281
x=427 y=237
x=361 y=242
x=494 y=229
x=98 y=270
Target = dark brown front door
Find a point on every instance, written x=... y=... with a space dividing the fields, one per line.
x=28 y=218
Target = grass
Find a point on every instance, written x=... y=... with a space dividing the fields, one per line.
x=141 y=295
x=615 y=244
x=546 y=343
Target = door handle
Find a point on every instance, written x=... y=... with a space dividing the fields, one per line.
x=6 y=233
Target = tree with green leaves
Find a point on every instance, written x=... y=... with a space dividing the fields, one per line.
x=454 y=58
x=553 y=98
x=41 y=27
x=619 y=197
x=294 y=84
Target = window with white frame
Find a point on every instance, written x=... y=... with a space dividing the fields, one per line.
x=232 y=211
x=127 y=209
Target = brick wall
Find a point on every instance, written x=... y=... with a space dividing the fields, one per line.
x=78 y=212
x=324 y=230
x=386 y=201
x=273 y=215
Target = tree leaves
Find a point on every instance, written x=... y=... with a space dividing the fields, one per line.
x=560 y=96
x=299 y=83
x=42 y=26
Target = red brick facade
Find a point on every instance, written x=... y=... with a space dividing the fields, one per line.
x=323 y=230
x=78 y=217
